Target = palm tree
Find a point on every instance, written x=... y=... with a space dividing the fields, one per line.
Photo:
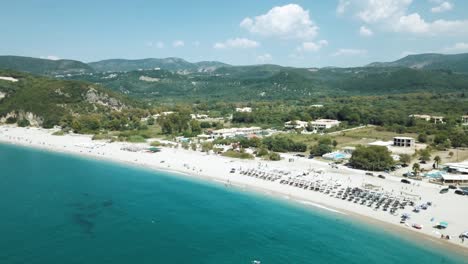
x=437 y=160
x=416 y=169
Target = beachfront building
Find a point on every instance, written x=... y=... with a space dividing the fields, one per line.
x=244 y=109
x=321 y=124
x=403 y=142
x=465 y=120
x=460 y=167
x=296 y=124
x=236 y=132
x=454 y=179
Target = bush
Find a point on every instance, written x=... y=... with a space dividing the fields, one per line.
x=274 y=156
x=237 y=155
x=374 y=158
x=11 y=120
x=23 y=123
x=136 y=139
x=156 y=144
x=58 y=133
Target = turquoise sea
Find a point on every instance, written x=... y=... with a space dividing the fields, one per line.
x=59 y=208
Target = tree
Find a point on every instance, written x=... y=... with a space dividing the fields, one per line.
x=376 y=158
x=451 y=154
x=206 y=146
x=425 y=155
x=416 y=168
x=274 y=156
x=437 y=160
x=320 y=149
x=422 y=138
x=405 y=158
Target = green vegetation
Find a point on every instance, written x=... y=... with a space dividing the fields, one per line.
x=375 y=158
x=238 y=155
x=43 y=66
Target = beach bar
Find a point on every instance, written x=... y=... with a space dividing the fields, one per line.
x=455 y=179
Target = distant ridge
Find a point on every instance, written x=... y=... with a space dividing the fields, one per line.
x=43 y=66
x=430 y=61
x=170 y=64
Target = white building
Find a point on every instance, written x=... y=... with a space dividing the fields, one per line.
x=199 y=116
x=465 y=120
x=321 y=124
x=317 y=106
x=403 y=142
x=244 y=109
x=435 y=119
x=296 y=124
x=235 y=132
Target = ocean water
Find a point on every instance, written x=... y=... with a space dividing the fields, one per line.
x=58 y=208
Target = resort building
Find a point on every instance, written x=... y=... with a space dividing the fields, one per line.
x=454 y=179
x=465 y=120
x=296 y=124
x=244 y=110
x=461 y=167
x=403 y=142
x=236 y=132
x=321 y=124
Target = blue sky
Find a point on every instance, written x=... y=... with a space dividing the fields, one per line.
x=309 y=33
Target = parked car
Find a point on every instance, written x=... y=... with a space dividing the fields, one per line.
x=404 y=165
x=460 y=192
x=405 y=181
x=408 y=174
x=445 y=190
x=300 y=155
x=369 y=174
x=381 y=176
x=453 y=187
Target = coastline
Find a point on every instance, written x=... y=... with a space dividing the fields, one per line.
x=216 y=169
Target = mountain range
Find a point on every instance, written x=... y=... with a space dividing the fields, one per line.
x=177 y=79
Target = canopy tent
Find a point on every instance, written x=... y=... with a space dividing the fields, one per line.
x=153 y=149
x=442 y=224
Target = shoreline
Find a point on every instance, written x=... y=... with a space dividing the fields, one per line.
x=215 y=169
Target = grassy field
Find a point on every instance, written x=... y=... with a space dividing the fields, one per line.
x=366 y=135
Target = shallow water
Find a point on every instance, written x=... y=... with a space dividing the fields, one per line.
x=64 y=209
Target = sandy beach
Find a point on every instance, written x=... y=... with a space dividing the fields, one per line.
x=448 y=207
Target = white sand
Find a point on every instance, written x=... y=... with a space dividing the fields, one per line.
x=446 y=207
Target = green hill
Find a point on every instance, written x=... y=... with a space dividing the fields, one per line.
x=430 y=61
x=170 y=64
x=46 y=101
x=271 y=82
x=43 y=66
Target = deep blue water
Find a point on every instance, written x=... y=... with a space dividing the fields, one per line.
x=64 y=209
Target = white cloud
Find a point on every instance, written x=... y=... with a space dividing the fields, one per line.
x=237 y=43
x=160 y=45
x=442 y=7
x=371 y=11
x=365 y=31
x=50 y=57
x=457 y=48
x=265 y=58
x=349 y=52
x=178 y=43
x=392 y=15
x=414 y=23
x=312 y=46
x=342 y=5
x=288 y=21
